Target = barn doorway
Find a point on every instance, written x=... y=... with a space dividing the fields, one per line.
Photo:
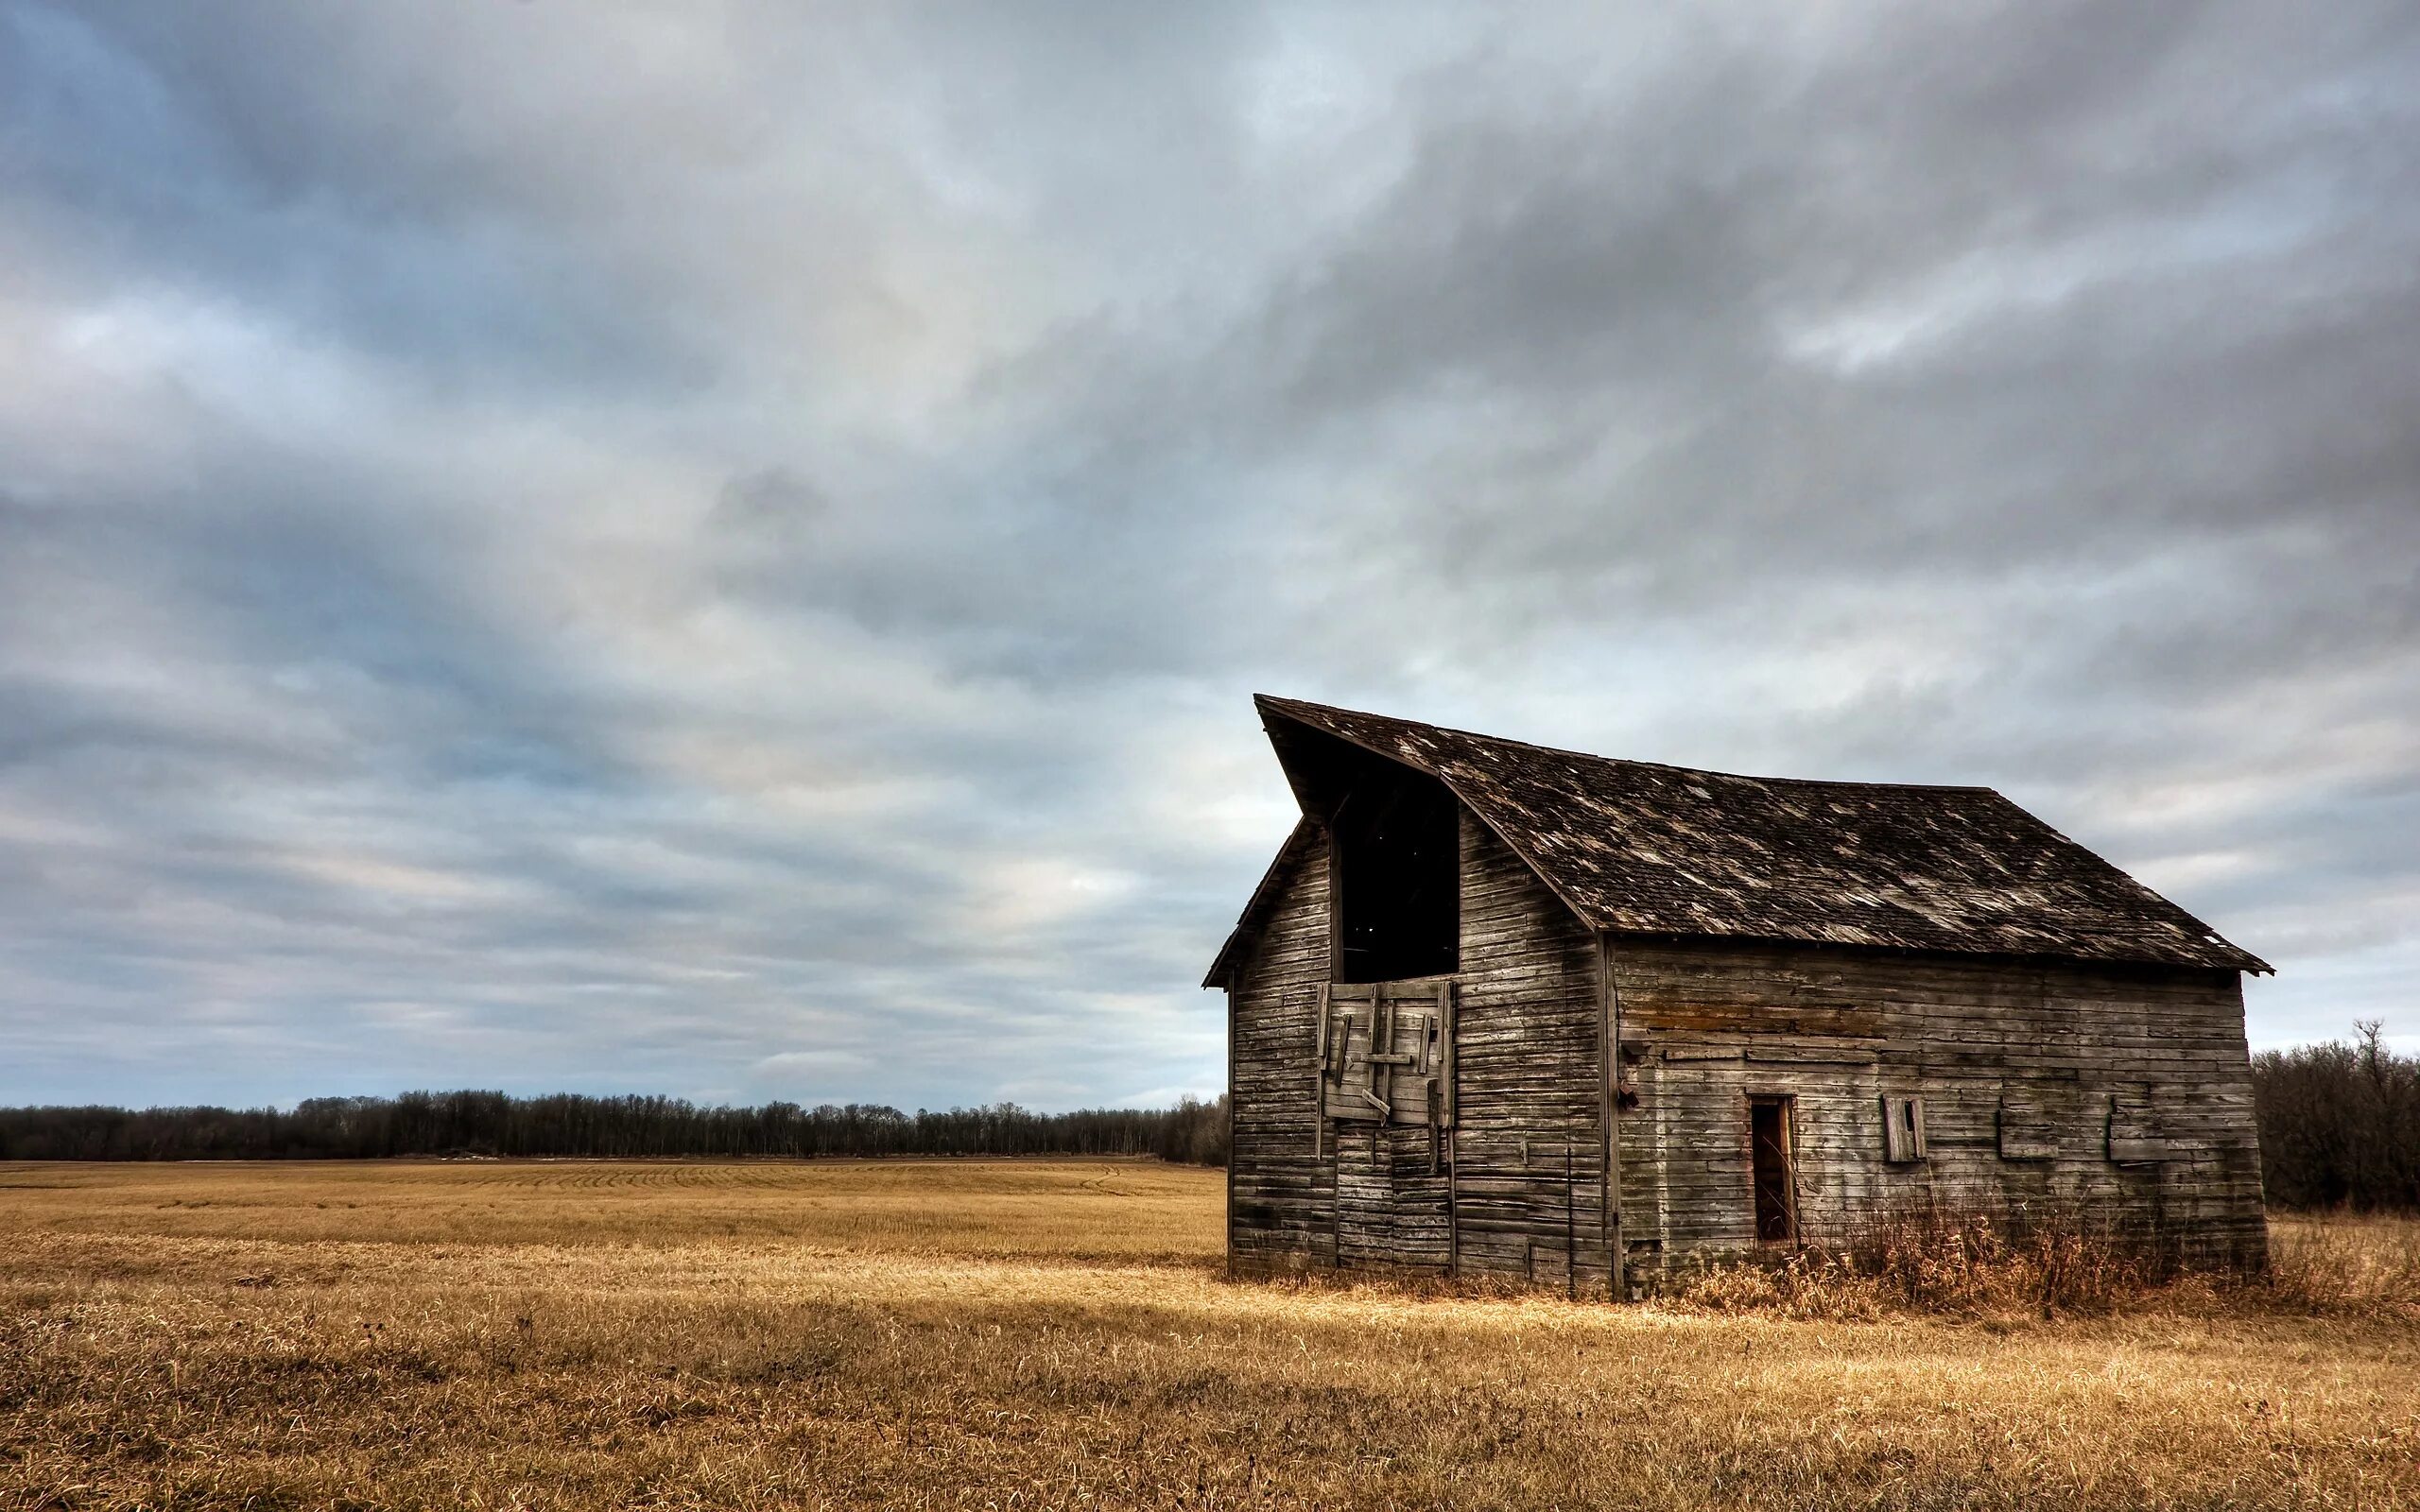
x=1771 y=1171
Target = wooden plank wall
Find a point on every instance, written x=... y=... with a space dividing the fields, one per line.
x=2027 y=1072
x=1393 y=1185
x=1528 y=1183
x=1530 y=1177
x=2019 y=1066
x=1281 y=1209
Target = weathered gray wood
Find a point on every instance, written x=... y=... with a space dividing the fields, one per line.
x=1319 y=1079
x=1529 y=1072
x=2018 y=1065
x=1609 y=1036
x=1230 y=1174
x=2119 y=1093
x=1516 y=1047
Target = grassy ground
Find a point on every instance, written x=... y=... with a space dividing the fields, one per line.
x=1027 y=1334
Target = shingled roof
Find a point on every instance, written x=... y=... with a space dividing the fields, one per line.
x=1642 y=849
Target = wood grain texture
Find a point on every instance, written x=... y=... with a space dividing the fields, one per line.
x=1282 y=1211
x=1518 y=1188
x=2032 y=1076
x=2119 y=1094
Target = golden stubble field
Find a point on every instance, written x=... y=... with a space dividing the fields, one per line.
x=1058 y=1333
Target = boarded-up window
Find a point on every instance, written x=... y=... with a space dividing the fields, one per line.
x=2028 y=1131
x=1384 y=1052
x=2136 y=1137
x=1903 y=1130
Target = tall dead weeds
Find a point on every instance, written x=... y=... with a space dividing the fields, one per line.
x=1983 y=1264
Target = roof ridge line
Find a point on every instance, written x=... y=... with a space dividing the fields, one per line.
x=1634 y=761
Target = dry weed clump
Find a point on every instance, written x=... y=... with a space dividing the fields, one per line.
x=1985 y=1263
x=481 y=1336
x=1945 y=1260
x=1970 y=1262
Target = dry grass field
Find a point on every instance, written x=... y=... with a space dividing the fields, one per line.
x=1036 y=1334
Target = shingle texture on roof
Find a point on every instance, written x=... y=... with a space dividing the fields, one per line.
x=1638 y=847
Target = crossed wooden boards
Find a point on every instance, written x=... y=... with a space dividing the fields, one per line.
x=1385 y=1053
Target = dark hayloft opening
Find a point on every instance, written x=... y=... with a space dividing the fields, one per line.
x=1398 y=891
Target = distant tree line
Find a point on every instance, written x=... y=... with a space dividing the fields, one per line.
x=2339 y=1124
x=493 y=1123
x=2339 y=1128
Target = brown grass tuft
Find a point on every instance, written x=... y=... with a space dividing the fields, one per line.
x=1947 y=1261
x=1976 y=1264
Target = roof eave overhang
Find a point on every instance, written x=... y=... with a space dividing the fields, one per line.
x=2242 y=959
x=1250 y=923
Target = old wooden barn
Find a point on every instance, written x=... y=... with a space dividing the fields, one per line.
x=1485 y=984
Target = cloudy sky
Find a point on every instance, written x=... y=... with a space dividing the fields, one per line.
x=725 y=551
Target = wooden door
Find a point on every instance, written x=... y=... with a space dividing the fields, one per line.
x=1771 y=1173
x=1386 y=1075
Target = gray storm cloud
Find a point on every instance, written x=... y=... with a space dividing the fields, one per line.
x=724 y=552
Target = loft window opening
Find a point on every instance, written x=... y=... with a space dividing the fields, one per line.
x=1398 y=877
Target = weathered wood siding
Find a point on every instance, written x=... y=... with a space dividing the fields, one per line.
x=2027 y=1072
x=1522 y=1194
x=1530 y=1173
x=2031 y=1078
x=1281 y=1205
